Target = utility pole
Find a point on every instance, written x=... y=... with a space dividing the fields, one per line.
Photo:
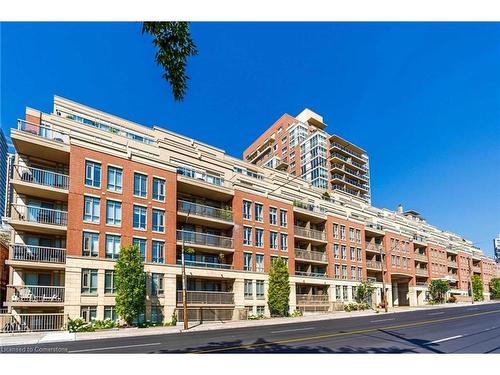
x=382 y=261
x=470 y=279
x=184 y=282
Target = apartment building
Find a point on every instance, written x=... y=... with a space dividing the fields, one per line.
x=301 y=146
x=86 y=183
x=3 y=172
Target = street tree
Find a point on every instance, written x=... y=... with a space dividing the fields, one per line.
x=495 y=288
x=279 y=288
x=363 y=291
x=477 y=288
x=438 y=290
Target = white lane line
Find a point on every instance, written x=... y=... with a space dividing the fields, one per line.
x=473 y=308
x=446 y=339
x=436 y=313
x=382 y=320
x=293 y=330
x=114 y=347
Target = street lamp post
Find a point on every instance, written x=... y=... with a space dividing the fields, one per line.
x=184 y=282
x=382 y=260
x=470 y=280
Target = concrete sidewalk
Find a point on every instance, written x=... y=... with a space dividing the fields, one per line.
x=7 y=339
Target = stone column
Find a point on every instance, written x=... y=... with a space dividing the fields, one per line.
x=170 y=297
x=293 y=298
x=239 y=297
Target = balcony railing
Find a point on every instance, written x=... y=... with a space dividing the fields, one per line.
x=419 y=239
x=476 y=269
x=345 y=149
x=419 y=283
x=310 y=274
x=39 y=215
x=421 y=257
x=200 y=175
x=310 y=255
x=374 y=264
x=311 y=299
x=207 y=298
x=310 y=233
x=192 y=263
x=377 y=247
x=309 y=207
x=375 y=226
x=35 y=293
x=14 y=323
x=452 y=263
x=204 y=239
x=205 y=211
x=43 y=131
x=41 y=254
x=42 y=177
x=421 y=271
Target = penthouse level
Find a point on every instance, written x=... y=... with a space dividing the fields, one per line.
x=87 y=183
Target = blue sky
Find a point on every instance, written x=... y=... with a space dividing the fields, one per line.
x=422 y=98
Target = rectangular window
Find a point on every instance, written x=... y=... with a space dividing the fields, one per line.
x=88 y=313
x=351 y=234
x=261 y=310
x=109 y=281
x=352 y=252
x=259 y=263
x=247 y=236
x=344 y=272
x=358 y=235
x=247 y=262
x=273 y=240
x=141 y=244
x=259 y=237
x=338 y=293
x=157 y=251
x=158 y=189
x=248 y=289
x=284 y=241
x=92 y=174
x=115 y=178
x=337 y=271
x=345 y=293
x=89 y=281
x=336 y=252
x=353 y=291
x=140 y=217
x=259 y=289
x=360 y=254
x=156 y=314
x=158 y=220
x=344 y=251
x=342 y=232
x=112 y=246
x=335 y=230
x=259 y=212
x=140 y=185
x=90 y=244
x=110 y=313
x=247 y=210
x=360 y=273
x=353 y=273
x=273 y=216
x=283 y=218
x=156 y=284
x=113 y=212
x=91 y=209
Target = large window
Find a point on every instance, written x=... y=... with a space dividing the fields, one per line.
x=283 y=218
x=247 y=262
x=259 y=263
x=345 y=292
x=89 y=281
x=352 y=252
x=351 y=234
x=284 y=241
x=92 y=174
x=140 y=185
x=156 y=284
x=158 y=220
x=273 y=215
x=247 y=210
x=259 y=212
x=115 y=179
x=248 y=289
x=110 y=313
x=141 y=244
x=335 y=230
x=158 y=189
x=157 y=251
x=342 y=232
x=336 y=252
x=359 y=254
x=338 y=293
x=112 y=246
x=109 y=281
x=247 y=236
x=344 y=251
x=113 y=212
x=90 y=244
x=91 y=209
x=88 y=313
x=273 y=240
x=259 y=289
x=344 y=272
x=353 y=273
x=140 y=217
x=259 y=237
x=337 y=271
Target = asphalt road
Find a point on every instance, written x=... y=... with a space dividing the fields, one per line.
x=464 y=329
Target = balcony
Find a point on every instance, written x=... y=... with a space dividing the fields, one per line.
x=311 y=299
x=349 y=160
x=374 y=265
x=422 y=284
x=476 y=269
x=37 y=219
x=190 y=181
x=34 y=294
x=197 y=264
x=421 y=272
x=338 y=146
x=201 y=214
x=13 y=323
x=312 y=234
x=420 y=257
x=347 y=180
x=452 y=264
x=419 y=240
x=38 y=254
x=347 y=170
x=41 y=183
x=309 y=212
x=206 y=297
x=374 y=247
x=311 y=274
x=374 y=230
x=311 y=256
x=204 y=240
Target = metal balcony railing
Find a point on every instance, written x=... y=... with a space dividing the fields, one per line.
x=200 y=175
x=14 y=323
x=419 y=239
x=311 y=299
x=192 y=263
x=35 y=293
x=309 y=233
x=419 y=283
x=207 y=297
x=370 y=246
x=421 y=257
x=39 y=215
x=42 y=254
x=422 y=271
x=42 y=130
x=42 y=177
x=309 y=207
x=476 y=269
x=452 y=263
x=205 y=211
x=310 y=274
x=345 y=149
x=310 y=255
x=204 y=239
x=374 y=264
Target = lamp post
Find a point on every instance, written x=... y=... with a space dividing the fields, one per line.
x=382 y=260
x=470 y=279
x=184 y=282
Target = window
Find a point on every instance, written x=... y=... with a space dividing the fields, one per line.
x=351 y=234
x=335 y=230
x=247 y=262
x=247 y=236
x=247 y=210
x=360 y=273
x=259 y=289
x=336 y=253
x=109 y=281
x=344 y=272
x=284 y=241
x=89 y=281
x=248 y=289
x=140 y=185
x=337 y=271
x=338 y=293
x=113 y=212
x=259 y=237
x=352 y=253
x=141 y=243
x=157 y=251
x=91 y=209
x=110 y=313
x=158 y=189
x=156 y=284
x=273 y=240
x=112 y=246
x=342 y=232
x=259 y=262
x=343 y=248
x=115 y=177
x=88 y=313
x=353 y=273
x=90 y=244
x=259 y=212
x=273 y=216
x=156 y=314
x=353 y=292
x=358 y=235
x=260 y=310
x=92 y=174
x=359 y=254
x=140 y=217
x=345 y=293
x=158 y=220
x=283 y=218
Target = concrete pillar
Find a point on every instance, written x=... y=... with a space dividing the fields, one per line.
x=394 y=297
x=100 y=295
x=170 y=301
x=293 y=298
x=72 y=291
x=412 y=296
x=239 y=296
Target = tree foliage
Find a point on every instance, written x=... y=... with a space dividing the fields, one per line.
x=174 y=46
x=363 y=291
x=130 y=283
x=438 y=290
x=279 y=288
x=495 y=288
x=477 y=288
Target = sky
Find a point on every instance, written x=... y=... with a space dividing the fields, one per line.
x=423 y=99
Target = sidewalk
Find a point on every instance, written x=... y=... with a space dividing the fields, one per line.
x=62 y=336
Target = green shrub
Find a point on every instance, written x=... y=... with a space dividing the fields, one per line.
x=148 y=324
x=356 y=307
x=173 y=320
x=296 y=313
x=477 y=288
x=495 y=288
x=255 y=317
x=80 y=325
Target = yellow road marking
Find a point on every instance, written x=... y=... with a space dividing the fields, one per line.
x=357 y=332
